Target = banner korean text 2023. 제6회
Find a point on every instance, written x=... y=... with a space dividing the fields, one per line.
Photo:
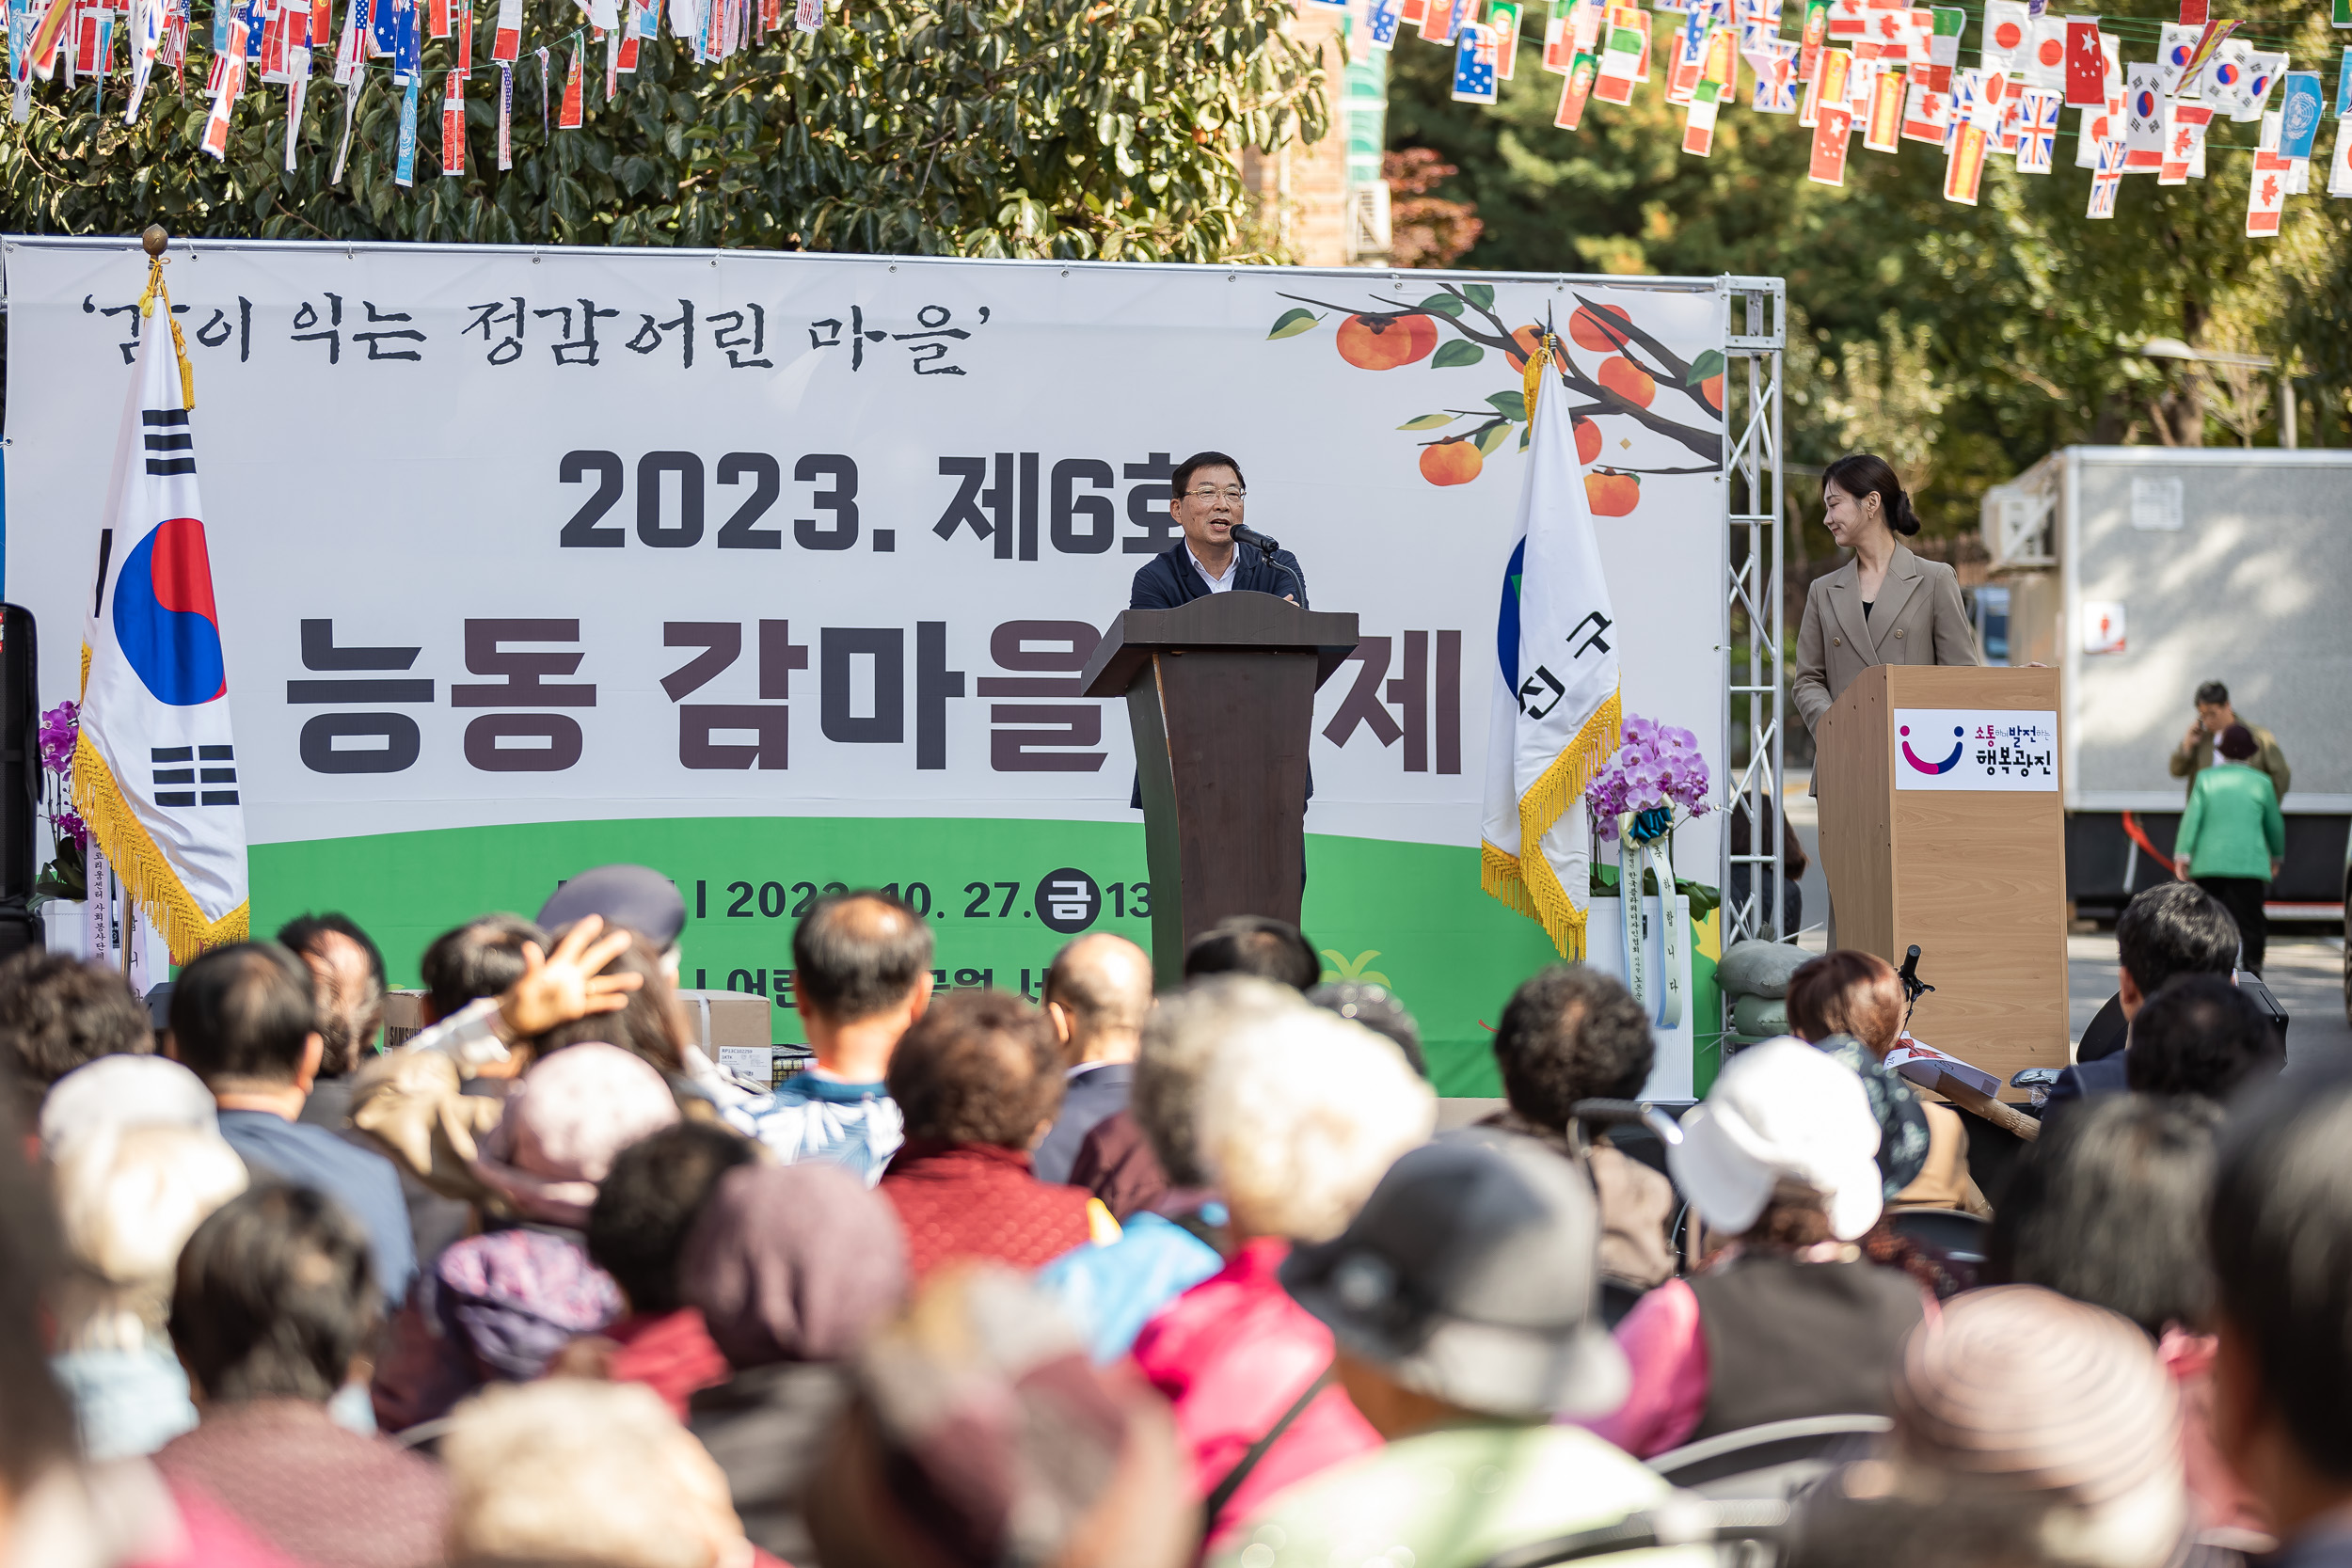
x=775 y=572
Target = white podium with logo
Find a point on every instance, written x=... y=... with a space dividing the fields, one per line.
x=1941 y=827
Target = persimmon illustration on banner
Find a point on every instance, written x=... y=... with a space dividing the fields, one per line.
x=1628 y=381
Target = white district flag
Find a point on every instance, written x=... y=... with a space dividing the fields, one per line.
x=1556 y=714
x=155 y=769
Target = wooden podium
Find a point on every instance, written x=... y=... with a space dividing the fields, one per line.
x=1941 y=826
x=1221 y=695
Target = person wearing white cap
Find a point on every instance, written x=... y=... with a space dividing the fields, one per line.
x=1791 y=1321
x=115 y=1092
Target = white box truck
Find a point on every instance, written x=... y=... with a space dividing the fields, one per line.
x=2143 y=572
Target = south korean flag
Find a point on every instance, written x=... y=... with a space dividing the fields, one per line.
x=155 y=771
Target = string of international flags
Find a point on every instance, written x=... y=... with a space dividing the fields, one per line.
x=275 y=41
x=1885 y=68
x=1892 y=70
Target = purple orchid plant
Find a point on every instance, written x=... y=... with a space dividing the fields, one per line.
x=67 y=877
x=1657 y=769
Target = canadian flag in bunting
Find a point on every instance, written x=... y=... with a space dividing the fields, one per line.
x=2267 y=195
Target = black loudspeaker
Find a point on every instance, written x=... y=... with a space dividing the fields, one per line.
x=19 y=778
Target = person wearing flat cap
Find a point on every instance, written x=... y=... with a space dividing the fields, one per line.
x=1462 y=1300
x=1791 y=1321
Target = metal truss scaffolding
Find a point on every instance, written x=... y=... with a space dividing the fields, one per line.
x=1755 y=324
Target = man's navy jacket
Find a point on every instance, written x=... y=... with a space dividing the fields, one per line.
x=1170 y=579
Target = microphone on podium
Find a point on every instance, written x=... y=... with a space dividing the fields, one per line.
x=1267 y=547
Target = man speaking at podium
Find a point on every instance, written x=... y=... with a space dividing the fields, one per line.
x=1206 y=496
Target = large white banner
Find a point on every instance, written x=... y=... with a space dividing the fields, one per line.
x=504 y=537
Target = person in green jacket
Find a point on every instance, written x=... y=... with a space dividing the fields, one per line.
x=2233 y=840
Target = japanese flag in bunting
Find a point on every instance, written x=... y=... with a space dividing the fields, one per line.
x=2106 y=176
x=2042 y=62
x=2268 y=196
x=2340 y=166
x=1831 y=133
x=2006 y=26
x=2037 y=130
x=1884 y=128
x=1964 y=165
x=1474 y=63
x=1927 y=114
x=155 y=771
x=1556 y=714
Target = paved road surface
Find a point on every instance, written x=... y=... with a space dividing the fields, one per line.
x=2306 y=966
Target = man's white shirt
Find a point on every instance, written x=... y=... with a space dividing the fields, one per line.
x=1217 y=584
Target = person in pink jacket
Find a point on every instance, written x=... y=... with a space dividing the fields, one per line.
x=1300 y=1114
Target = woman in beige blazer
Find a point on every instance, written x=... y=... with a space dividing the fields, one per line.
x=1885 y=606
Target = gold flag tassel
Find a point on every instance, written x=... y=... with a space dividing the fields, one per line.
x=155 y=240
x=146 y=875
x=1525 y=881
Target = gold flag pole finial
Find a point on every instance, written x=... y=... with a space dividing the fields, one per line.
x=1533 y=384
x=155 y=240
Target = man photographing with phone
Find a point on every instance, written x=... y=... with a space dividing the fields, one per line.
x=1219 y=552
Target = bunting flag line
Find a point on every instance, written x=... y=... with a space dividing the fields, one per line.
x=2105 y=180
x=155 y=767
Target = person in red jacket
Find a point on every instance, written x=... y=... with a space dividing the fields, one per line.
x=979 y=1079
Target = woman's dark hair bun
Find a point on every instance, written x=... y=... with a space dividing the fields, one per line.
x=1864 y=473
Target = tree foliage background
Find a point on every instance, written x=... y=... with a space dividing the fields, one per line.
x=1039 y=128
x=1963 y=342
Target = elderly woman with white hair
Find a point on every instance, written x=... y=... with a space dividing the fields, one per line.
x=128 y=1199
x=1791 y=1320
x=1300 y=1114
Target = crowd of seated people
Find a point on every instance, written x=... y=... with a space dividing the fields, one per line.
x=1134 y=1281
